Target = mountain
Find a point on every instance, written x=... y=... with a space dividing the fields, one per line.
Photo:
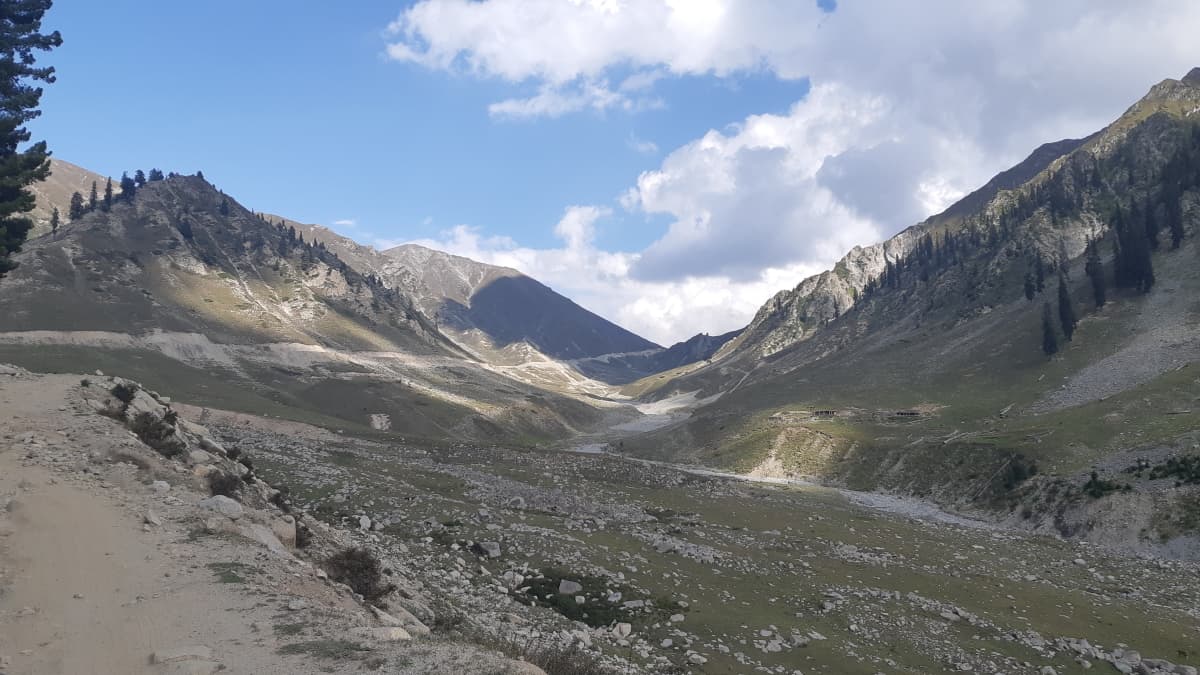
x=513 y=321
x=184 y=288
x=498 y=307
x=916 y=365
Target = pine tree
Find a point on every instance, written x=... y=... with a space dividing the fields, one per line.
x=1066 y=309
x=77 y=208
x=93 y=198
x=139 y=178
x=1030 y=286
x=1049 y=339
x=128 y=187
x=108 y=196
x=1151 y=225
x=224 y=208
x=55 y=220
x=20 y=38
x=1175 y=220
x=1095 y=272
x=155 y=175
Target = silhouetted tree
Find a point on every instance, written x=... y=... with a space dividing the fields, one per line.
x=76 y=210
x=1066 y=309
x=108 y=196
x=224 y=208
x=1095 y=272
x=139 y=178
x=93 y=198
x=55 y=220
x=128 y=187
x=20 y=38
x=1049 y=339
x=155 y=175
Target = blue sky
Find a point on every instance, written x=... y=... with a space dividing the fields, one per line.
x=300 y=113
x=668 y=164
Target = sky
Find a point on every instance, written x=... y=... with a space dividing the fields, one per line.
x=668 y=164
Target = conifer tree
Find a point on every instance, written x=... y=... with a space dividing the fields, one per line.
x=1040 y=271
x=75 y=212
x=1066 y=309
x=128 y=187
x=93 y=198
x=1049 y=338
x=55 y=220
x=155 y=175
x=139 y=178
x=1095 y=272
x=108 y=196
x=20 y=38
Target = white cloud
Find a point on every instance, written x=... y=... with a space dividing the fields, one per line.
x=345 y=222
x=642 y=146
x=910 y=108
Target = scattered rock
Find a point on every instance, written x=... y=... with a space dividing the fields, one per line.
x=223 y=505
x=567 y=587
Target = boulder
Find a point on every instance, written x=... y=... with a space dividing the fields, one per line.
x=263 y=535
x=401 y=617
x=568 y=587
x=196 y=457
x=622 y=630
x=490 y=549
x=222 y=505
x=285 y=530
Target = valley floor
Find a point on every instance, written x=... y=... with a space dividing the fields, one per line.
x=664 y=570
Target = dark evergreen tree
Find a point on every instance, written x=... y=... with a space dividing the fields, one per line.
x=55 y=220
x=1049 y=338
x=75 y=212
x=224 y=208
x=1095 y=272
x=93 y=198
x=155 y=175
x=1151 y=223
x=108 y=196
x=1030 y=286
x=20 y=38
x=1040 y=271
x=128 y=187
x=139 y=178
x=1066 y=309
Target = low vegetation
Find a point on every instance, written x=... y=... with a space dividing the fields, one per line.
x=359 y=569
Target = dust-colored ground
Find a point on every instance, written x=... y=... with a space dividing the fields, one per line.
x=89 y=585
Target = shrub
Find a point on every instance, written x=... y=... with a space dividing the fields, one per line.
x=85 y=382
x=1097 y=487
x=304 y=535
x=224 y=483
x=157 y=434
x=124 y=392
x=359 y=569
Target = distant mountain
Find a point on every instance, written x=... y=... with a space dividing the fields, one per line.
x=511 y=320
x=503 y=307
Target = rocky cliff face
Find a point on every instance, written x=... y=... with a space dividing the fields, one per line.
x=795 y=315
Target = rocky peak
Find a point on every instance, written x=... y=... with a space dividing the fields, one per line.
x=1193 y=77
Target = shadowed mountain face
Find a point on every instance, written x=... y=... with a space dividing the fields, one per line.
x=508 y=307
x=511 y=309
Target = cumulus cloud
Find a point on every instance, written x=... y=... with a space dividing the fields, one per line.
x=910 y=107
x=345 y=222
